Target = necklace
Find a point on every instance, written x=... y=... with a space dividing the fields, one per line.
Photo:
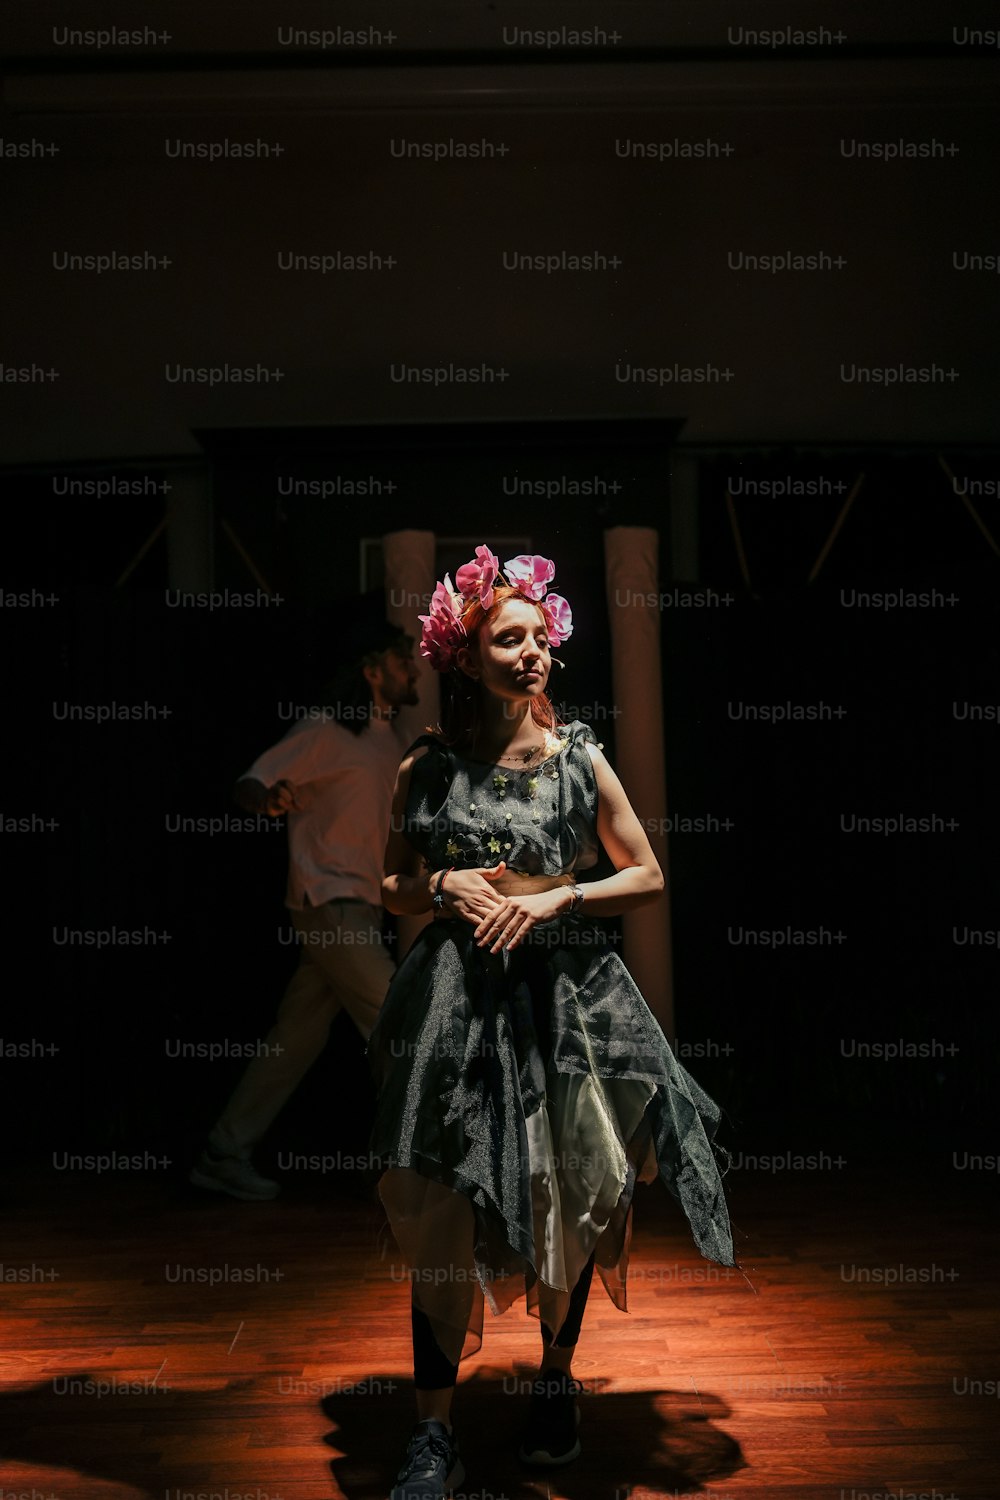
x=522 y=756
x=525 y=756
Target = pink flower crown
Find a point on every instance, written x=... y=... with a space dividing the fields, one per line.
x=443 y=633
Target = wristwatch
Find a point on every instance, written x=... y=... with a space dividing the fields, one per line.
x=577 y=897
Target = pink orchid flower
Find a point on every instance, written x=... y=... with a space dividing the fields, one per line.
x=530 y=574
x=558 y=618
x=443 y=631
x=479 y=576
x=439 y=641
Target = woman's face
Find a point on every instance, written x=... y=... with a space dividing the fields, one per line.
x=513 y=655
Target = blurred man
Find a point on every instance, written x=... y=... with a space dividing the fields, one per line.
x=333 y=774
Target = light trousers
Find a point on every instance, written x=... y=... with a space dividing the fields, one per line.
x=344 y=963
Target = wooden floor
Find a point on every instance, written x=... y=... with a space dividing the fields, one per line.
x=823 y=1383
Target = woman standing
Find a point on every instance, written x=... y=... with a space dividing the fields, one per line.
x=524 y=1084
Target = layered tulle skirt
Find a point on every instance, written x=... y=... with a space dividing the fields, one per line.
x=521 y=1097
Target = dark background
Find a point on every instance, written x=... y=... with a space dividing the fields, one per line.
x=766 y=1030
x=772 y=1025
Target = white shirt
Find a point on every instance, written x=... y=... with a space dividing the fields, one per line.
x=343 y=785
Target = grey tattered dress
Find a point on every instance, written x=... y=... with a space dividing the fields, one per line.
x=522 y=1094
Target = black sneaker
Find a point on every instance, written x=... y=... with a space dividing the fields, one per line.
x=432 y=1465
x=553 y=1417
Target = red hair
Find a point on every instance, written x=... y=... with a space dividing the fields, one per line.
x=460 y=693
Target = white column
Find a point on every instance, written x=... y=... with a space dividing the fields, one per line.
x=410 y=564
x=632 y=573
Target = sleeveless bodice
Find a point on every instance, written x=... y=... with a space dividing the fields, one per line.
x=543 y=821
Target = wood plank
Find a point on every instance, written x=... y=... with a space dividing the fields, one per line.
x=807 y=1388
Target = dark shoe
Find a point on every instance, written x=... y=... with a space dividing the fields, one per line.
x=553 y=1417
x=233 y=1175
x=432 y=1464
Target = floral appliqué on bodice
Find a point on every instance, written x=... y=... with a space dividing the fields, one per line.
x=541 y=820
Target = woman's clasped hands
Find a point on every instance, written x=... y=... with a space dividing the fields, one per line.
x=500 y=921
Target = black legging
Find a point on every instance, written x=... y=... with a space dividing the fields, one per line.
x=433 y=1372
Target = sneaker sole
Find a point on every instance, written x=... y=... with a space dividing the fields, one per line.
x=455 y=1477
x=543 y=1456
x=202 y=1180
